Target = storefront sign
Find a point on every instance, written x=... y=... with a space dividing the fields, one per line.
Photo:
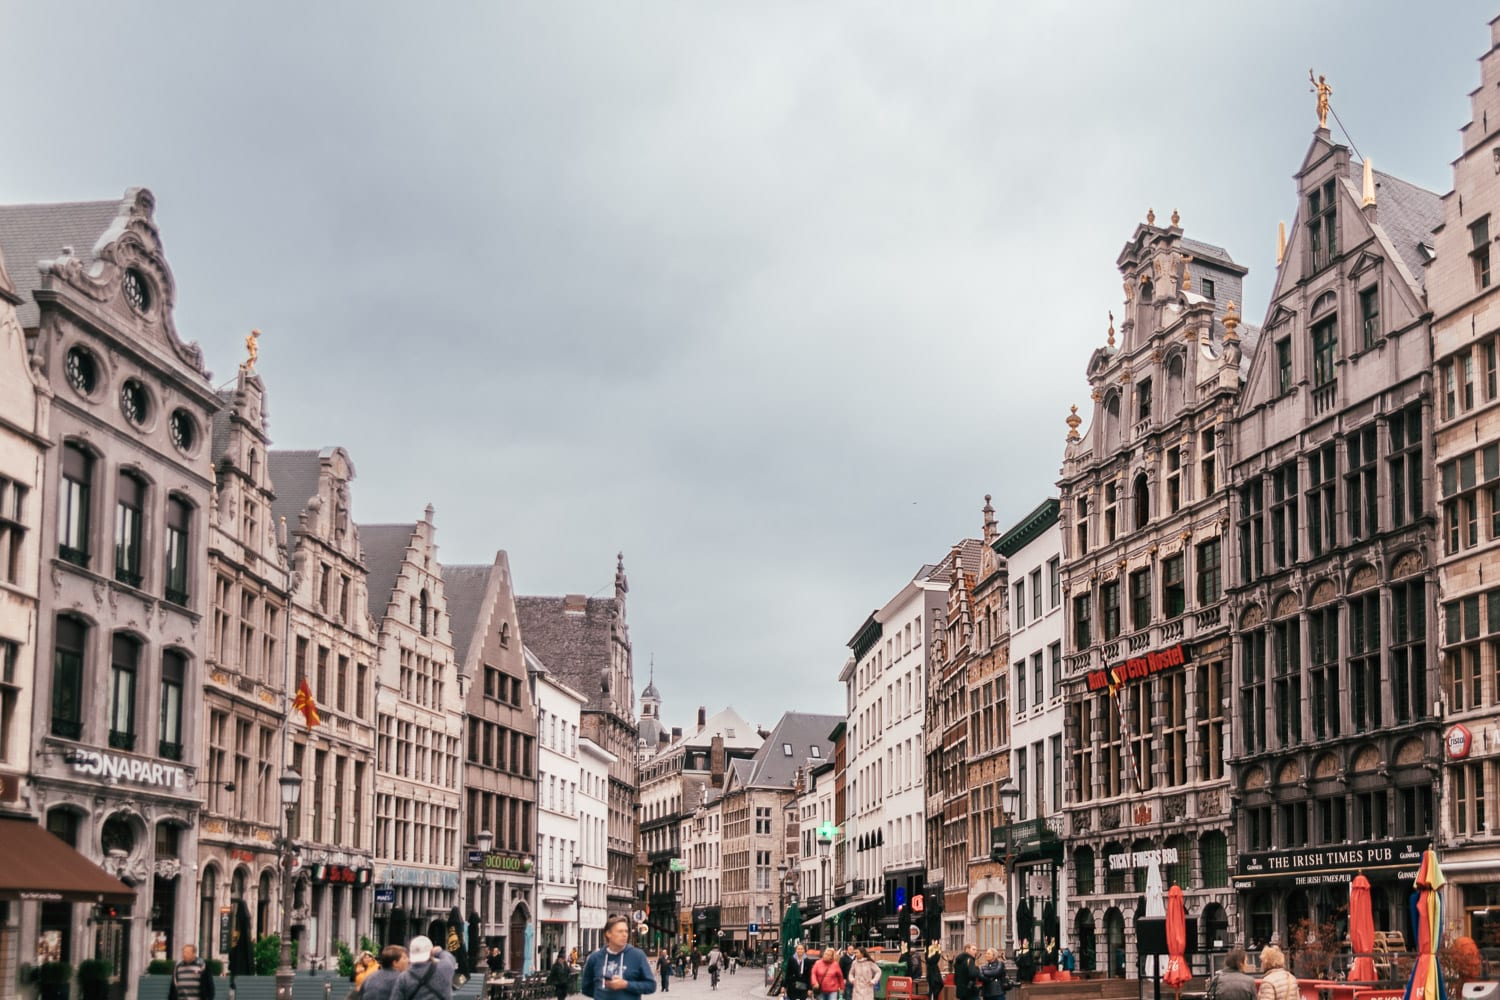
x=224 y=921
x=238 y=854
x=1459 y=741
x=1331 y=865
x=1141 y=859
x=1137 y=668
x=497 y=862
x=425 y=878
x=385 y=897
x=341 y=874
x=142 y=772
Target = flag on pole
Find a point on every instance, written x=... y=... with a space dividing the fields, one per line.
x=305 y=704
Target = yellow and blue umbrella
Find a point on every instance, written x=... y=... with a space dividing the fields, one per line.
x=1426 y=982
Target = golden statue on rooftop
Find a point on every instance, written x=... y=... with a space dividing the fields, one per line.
x=252 y=350
x=1322 y=88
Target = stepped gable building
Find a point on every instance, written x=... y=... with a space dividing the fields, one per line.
x=673 y=784
x=1146 y=638
x=586 y=642
x=1336 y=744
x=500 y=773
x=420 y=719
x=955 y=642
x=1466 y=341
x=245 y=694
x=332 y=641
x=124 y=585
x=977 y=914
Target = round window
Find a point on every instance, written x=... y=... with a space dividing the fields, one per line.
x=184 y=431
x=117 y=835
x=137 y=290
x=82 y=370
x=134 y=402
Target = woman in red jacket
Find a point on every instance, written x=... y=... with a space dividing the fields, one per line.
x=827 y=977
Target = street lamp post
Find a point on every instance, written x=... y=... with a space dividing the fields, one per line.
x=578 y=904
x=1009 y=796
x=484 y=840
x=826 y=832
x=291 y=791
x=640 y=893
x=781 y=887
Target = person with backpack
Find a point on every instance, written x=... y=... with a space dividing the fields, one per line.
x=715 y=962
x=618 y=970
x=379 y=985
x=560 y=977
x=430 y=976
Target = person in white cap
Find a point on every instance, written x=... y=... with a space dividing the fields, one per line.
x=430 y=976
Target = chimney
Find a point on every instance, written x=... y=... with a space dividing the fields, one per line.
x=717 y=762
x=702 y=718
x=676 y=732
x=575 y=604
x=763 y=732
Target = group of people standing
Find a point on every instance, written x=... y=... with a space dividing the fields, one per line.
x=714 y=960
x=855 y=975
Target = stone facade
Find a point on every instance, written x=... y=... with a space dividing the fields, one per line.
x=987 y=765
x=500 y=766
x=420 y=716
x=1466 y=339
x=245 y=696
x=593 y=832
x=1143 y=514
x=559 y=861
x=124 y=589
x=332 y=645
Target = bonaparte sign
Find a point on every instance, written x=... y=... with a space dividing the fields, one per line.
x=1331 y=865
x=1137 y=668
x=133 y=769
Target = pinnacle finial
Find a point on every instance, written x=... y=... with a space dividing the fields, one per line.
x=1150 y=216
x=1111 y=328
x=1175 y=217
x=1231 y=320
x=1280 y=243
x=1368 y=198
x=1073 y=420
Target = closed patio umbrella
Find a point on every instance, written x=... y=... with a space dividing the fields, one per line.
x=1361 y=930
x=1176 y=972
x=1426 y=982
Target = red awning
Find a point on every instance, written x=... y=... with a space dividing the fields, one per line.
x=43 y=868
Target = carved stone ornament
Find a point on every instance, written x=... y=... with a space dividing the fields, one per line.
x=1254 y=615
x=1287 y=604
x=1174 y=808
x=1109 y=818
x=1082 y=822
x=1322 y=593
x=1255 y=779
x=1210 y=803
x=1367 y=759
x=1326 y=766
x=168 y=867
x=1410 y=752
x=1290 y=773
x=1363 y=579
x=1409 y=562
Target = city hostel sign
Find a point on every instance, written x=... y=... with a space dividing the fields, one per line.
x=1331 y=865
x=1137 y=668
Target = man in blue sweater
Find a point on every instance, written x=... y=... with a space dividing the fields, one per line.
x=617 y=971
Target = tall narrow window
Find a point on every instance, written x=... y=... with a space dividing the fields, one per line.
x=125 y=654
x=1209 y=462
x=1409 y=650
x=73 y=505
x=1036 y=594
x=1284 y=366
x=1253 y=693
x=1479 y=236
x=1109 y=602
x=1359 y=483
x=1054 y=581
x=1284 y=515
x=1406 y=465
x=1082 y=631
x=1320 y=500
x=1287 y=643
x=1142 y=494
x=130 y=497
x=1322 y=214
x=1173 y=587
x=1174 y=480
x=1325 y=342
x=1364 y=661
x=69 y=645
x=1252 y=532
x=1143 y=400
x=1210 y=582
x=1210 y=694
x=1140 y=599
x=179 y=521
x=1111 y=511
x=1081 y=528
x=173 y=675
x=1323 y=634
x=1369 y=316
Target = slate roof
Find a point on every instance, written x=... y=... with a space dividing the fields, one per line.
x=33 y=233
x=773 y=768
x=295 y=476
x=1407 y=213
x=221 y=423
x=1206 y=251
x=942 y=572
x=385 y=548
x=741 y=770
x=650 y=732
x=466 y=589
x=574 y=646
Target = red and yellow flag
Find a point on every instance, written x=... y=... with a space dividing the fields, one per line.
x=305 y=704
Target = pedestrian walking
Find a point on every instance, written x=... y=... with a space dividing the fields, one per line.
x=190 y=978
x=1276 y=983
x=715 y=961
x=992 y=982
x=828 y=976
x=618 y=970
x=697 y=959
x=663 y=969
x=846 y=963
x=796 y=978
x=380 y=984
x=966 y=973
x=430 y=975
x=560 y=977
x=864 y=976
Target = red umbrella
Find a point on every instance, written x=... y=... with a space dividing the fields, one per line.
x=1361 y=930
x=1176 y=972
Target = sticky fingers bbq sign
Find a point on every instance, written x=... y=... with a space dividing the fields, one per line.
x=1137 y=668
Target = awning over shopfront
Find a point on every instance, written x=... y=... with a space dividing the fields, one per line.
x=862 y=901
x=45 y=869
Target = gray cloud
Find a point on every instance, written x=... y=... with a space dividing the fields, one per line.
x=766 y=295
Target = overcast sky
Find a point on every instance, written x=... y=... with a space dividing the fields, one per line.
x=767 y=295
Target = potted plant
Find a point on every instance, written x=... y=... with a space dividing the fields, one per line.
x=159 y=967
x=53 y=980
x=93 y=978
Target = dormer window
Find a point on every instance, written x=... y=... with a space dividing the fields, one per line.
x=786 y=749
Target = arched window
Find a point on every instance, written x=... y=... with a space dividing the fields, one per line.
x=1214 y=852
x=1114 y=878
x=130 y=500
x=173 y=678
x=179 y=524
x=1114 y=940
x=74 y=500
x=124 y=668
x=423 y=609
x=989 y=919
x=1176 y=394
x=1083 y=937
x=1142 y=492
x=1180 y=871
x=1214 y=924
x=1140 y=846
x=1325 y=339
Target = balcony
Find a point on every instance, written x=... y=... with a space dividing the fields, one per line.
x=121 y=741
x=167 y=750
x=68 y=729
x=1324 y=397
